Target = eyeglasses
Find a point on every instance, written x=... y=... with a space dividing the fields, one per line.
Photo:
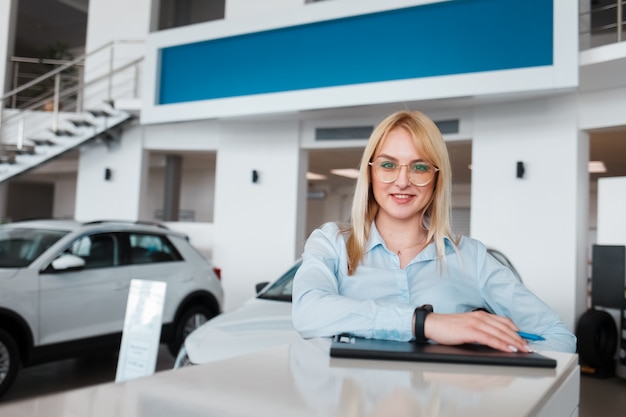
x=420 y=173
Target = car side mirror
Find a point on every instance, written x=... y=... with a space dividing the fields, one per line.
x=68 y=262
x=260 y=286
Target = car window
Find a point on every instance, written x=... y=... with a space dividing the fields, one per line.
x=98 y=250
x=281 y=289
x=21 y=246
x=148 y=248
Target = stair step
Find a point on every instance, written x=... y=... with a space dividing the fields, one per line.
x=43 y=142
x=62 y=132
x=7 y=158
x=68 y=135
x=100 y=113
x=19 y=150
x=81 y=123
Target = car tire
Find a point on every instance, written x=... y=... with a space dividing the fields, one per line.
x=597 y=338
x=9 y=361
x=191 y=318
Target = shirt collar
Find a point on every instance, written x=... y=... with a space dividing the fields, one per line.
x=375 y=238
x=430 y=252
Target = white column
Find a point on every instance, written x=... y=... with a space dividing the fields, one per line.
x=612 y=211
x=8 y=22
x=8 y=11
x=258 y=225
x=540 y=220
x=120 y=196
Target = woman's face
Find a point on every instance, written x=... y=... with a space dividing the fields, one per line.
x=400 y=199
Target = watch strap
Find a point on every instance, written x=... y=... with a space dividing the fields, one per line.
x=420 y=318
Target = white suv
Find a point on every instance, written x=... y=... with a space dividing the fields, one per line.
x=64 y=287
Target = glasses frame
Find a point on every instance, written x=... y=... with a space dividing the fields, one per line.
x=399 y=168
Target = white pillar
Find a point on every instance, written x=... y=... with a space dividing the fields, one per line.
x=118 y=197
x=121 y=196
x=540 y=220
x=8 y=14
x=611 y=211
x=8 y=23
x=258 y=225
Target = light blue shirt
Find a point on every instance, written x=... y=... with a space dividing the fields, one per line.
x=379 y=299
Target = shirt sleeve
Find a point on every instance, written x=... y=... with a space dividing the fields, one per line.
x=507 y=296
x=318 y=308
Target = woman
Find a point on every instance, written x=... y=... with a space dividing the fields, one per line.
x=398 y=273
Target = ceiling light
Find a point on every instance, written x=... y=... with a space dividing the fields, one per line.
x=346 y=172
x=314 y=176
x=596 y=167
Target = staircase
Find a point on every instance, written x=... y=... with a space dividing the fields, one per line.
x=42 y=145
x=34 y=131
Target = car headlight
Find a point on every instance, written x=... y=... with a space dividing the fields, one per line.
x=182 y=359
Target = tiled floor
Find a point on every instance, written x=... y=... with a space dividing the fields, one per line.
x=602 y=397
x=71 y=374
x=599 y=397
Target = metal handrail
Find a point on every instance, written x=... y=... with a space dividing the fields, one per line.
x=57 y=94
x=617 y=25
x=65 y=66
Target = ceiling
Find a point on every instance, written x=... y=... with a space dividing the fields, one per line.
x=41 y=22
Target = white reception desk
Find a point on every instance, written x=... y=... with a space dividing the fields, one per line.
x=302 y=380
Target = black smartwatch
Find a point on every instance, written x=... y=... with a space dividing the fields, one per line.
x=420 y=317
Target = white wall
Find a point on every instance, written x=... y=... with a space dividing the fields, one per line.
x=197 y=191
x=201 y=235
x=64 y=197
x=253 y=8
x=256 y=225
x=201 y=135
x=114 y=20
x=121 y=196
x=534 y=220
x=612 y=211
x=239 y=21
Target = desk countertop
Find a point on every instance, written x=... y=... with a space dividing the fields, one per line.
x=302 y=380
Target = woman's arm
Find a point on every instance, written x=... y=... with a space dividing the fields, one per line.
x=506 y=296
x=318 y=309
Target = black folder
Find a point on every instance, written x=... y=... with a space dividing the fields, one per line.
x=359 y=348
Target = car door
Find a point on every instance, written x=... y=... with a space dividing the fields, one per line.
x=154 y=257
x=87 y=302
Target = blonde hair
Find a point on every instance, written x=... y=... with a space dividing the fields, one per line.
x=436 y=216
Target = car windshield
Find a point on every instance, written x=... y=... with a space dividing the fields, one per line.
x=21 y=246
x=280 y=290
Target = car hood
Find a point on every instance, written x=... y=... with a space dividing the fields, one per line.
x=257 y=325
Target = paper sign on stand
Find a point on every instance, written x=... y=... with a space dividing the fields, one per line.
x=142 y=330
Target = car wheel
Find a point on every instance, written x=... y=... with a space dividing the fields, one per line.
x=597 y=338
x=192 y=318
x=9 y=361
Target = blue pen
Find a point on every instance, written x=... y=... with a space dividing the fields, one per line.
x=530 y=336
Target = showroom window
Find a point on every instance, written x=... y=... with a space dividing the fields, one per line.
x=177 y=13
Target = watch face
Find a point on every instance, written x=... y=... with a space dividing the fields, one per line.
x=427 y=307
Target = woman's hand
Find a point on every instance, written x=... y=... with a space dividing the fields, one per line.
x=476 y=327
